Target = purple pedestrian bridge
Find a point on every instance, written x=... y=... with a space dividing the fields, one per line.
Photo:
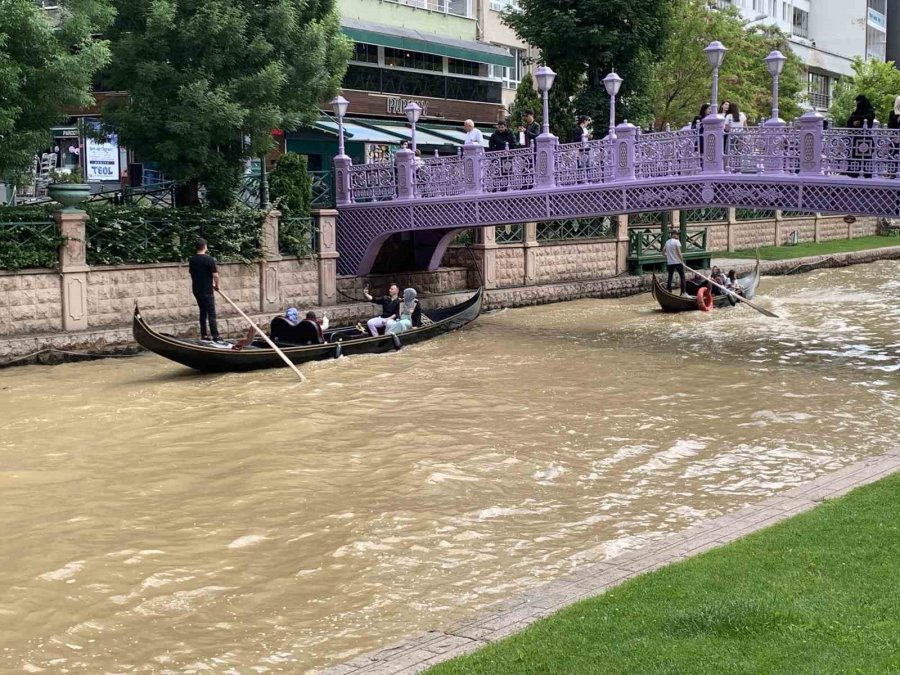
x=797 y=167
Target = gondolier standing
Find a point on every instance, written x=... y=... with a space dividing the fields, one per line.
x=204 y=283
x=674 y=260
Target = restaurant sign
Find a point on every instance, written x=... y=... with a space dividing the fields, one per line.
x=397 y=105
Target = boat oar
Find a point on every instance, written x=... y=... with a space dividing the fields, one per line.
x=761 y=310
x=263 y=336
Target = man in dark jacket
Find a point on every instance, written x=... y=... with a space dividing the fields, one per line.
x=531 y=129
x=580 y=133
x=204 y=281
x=501 y=137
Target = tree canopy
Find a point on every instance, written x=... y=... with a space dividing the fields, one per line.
x=682 y=78
x=878 y=81
x=583 y=41
x=46 y=65
x=210 y=79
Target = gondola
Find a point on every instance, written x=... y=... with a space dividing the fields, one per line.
x=672 y=302
x=349 y=341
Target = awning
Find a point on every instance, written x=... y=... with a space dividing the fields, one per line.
x=423 y=137
x=358 y=133
x=413 y=40
x=457 y=136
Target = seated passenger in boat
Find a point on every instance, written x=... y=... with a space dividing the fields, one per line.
x=409 y=308
x=292 y=316
x=695 y=283
x=390 y=309
x=732 y=283
x=717 y=276
x=321 y=326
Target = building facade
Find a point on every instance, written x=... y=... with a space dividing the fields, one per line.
x=826 y=34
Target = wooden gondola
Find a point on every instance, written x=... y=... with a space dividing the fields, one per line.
x=672 y=302
x=339 y=342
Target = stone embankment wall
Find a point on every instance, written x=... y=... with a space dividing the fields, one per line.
x=82 y=307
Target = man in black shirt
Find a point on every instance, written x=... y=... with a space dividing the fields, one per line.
x=204 y=281
x=500 y=138
x=390 y=309
x=532 y=129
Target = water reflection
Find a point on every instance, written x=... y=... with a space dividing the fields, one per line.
x=155 y=520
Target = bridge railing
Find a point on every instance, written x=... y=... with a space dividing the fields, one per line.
x=668 y=153
x=870 y=152
x=590 y=162
x=803 y=147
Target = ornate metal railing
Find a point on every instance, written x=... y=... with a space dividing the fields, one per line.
x=297 y=236
x=508 y=170
x=668 y=153
x=646 y=243
x=29 y=243
x=753 y=214
x=439 y=176
x=322 y=189
x=373 y=182
x=763 y=150
x=706 y=215
x=651 y=218
x=578 y=163
x=509 y=234
x=866 y=152
x=578 y=228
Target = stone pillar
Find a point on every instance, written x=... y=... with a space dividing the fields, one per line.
x=73 y=268
x=327 y=257
x=625 y=139
x=342 y=193
x=486 y=249
x=269 y=299
x=622 y=244
x=545 y=161
x=406 y=174
x=473 y=160
x=713 y=144
x=729 y=228
x=811 y=146
x=817 y=229
x=779 y=226
x=530 y=242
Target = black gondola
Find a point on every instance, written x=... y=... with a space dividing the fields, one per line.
x=339 y=342
x=672 y=302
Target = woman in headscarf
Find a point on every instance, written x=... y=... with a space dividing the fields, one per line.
x=407 y=311
x=861 y=118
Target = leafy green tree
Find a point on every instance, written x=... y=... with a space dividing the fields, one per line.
x=210 y=79
x=46 y=65
x=290 y=185
x=527 y=98
x=584 y=41
x=682 y=78
x=878 y=81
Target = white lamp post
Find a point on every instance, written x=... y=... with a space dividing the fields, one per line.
x=612 y=82
x=339 y=105
x=715 y=55
x=413 y=112
x=545 y=77
x=775 y=63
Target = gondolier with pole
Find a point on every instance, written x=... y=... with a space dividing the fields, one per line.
x=674 y=260
x=204 y=283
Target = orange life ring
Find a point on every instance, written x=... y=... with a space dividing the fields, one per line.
x=704 y=299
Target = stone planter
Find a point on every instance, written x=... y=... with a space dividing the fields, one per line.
x=69 y=194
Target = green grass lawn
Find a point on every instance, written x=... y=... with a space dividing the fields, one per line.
x=812 y=248
x=819 y=593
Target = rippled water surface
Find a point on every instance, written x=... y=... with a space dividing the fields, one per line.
x=154 y=520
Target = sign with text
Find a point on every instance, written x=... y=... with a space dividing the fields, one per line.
x=102 y=159
x=397 y=105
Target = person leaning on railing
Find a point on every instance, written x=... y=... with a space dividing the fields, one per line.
x=502 y=138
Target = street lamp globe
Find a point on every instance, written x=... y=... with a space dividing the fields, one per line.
x=339 y=105
x=715 y=53
x=775 y=63
x=544 y=77
x=413 y=111
x=612 y=82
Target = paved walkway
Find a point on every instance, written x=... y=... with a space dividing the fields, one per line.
x=511 y=616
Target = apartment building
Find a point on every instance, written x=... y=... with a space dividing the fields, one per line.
x=454 y=58
x=825 y=34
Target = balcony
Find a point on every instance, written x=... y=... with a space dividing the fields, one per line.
x=819 y=101
x=454 y=7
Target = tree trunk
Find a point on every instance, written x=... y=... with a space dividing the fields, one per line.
x=187 y=193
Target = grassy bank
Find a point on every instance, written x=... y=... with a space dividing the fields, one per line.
x=819 y=593
x=812 y=248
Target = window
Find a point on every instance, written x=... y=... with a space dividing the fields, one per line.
x=878 y=5
x=819 y=90
x=462 y=67
x=800 y=25
x=363 y=53
x=401 y=58
x=505 y=5
x=784 y=11
x=511 y=76
x=875 y=43
x=457 y=7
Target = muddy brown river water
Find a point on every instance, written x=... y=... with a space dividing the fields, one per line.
x=155 y=520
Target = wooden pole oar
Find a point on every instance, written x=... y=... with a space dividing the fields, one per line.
x=264 y=336
x=761 y=310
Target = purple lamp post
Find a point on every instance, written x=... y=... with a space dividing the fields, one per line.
x=413 y=111
x=715 y=55
x=612 y=82
x=775 y=63
x=545 y=77
x=339 y=105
